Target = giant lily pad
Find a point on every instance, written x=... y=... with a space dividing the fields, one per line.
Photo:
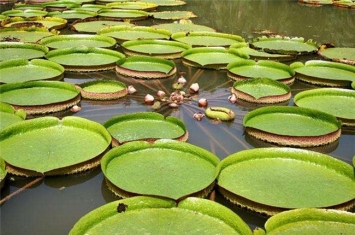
x=325 y=73
x=37 y=97
x=261 y=91
x=24 y=6
x=9 y=115
x=24 y=13
x=183 y=26
x=22 y=70
x=125 y=33
x=103 y=90
x=93 y=7
x=3 y=172
x=154 y=47
x=145 y=67
x=132 y=5
x=316 y=2
x=75 y=40
x=123 y=14
x=167 y=2
x=53 y=6
x=335 y=101
x=311 y=221
x=85 y=59
x=210 y=39
x=72 y=15
x=148 y=126
x=344 y=4
x=173 y=15
x=161 y=216
x=166 y=168
x=32 y=34
x=17 y=50
x=270 y=180
x=51 y=146
x=295 y=126
x=285 y=45
x=93 y=25
x=211 y=57
x=344 y=55
x=39 y=21
x=247 y=69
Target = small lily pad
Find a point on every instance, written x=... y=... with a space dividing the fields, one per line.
x=75 y=40
x=285 y=45
x=161 y=216
x=72 y=15
x=51 y=146
x=316 y=2
x=92 y=7
x=344 y=55
x=271 y=180
x=22 y=70
x=93 y=25
x=295 y=126
x=131 y=5
x=9 y=115
x=165 y=168
x=123 y=14
x=60 y=6
x=148 y=126
x=247 y=69
x=261 y=91
x=325 y=73
x=173 y=15
x=183 y=26
x=167 y=2
x=344 y=4
x=103 y=90
x=20 y=50
x=37 y=97
x=145 y=67
x=311 y=221
x=220 y=113
x=335 y=101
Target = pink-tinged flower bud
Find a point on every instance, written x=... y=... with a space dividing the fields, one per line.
x=232 y=98
x=149 y=99
x=131 y=89
x=181 y=80
x=75 y=109
x=202 y=102
x=194 y=88
x=161 y=94
x=198 y=116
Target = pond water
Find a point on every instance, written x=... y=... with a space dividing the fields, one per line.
x=53 y=205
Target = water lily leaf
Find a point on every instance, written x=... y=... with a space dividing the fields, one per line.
x=335 y=101
x=271 y=180
x=161 y=216
x=143 y=6
x=3 y=172
x=145 y=67
x=72 y=15
x=166 y=2
x=37 y=97
x=103 y=90
x=19 y=50
x=325 y=73
x=339 y=54
x=24 y=13
x=93 y=25
x=149 y=126
x=32 y=34
x=85 y=59
x=51 y=146
x=60 y=5
x=344 y=4
x=12 y=71
x=123 y=14
x=311 y=221
x=92 y=7
x=9 y=115
x=75 y=40
x=40 y=21
x=24 y=6
x=167 y=168
x=316 y=2
x=284 y=45
x=173 y=15
x=262 y=90
x=247 y=69
x=183 y=26
x=295 y=126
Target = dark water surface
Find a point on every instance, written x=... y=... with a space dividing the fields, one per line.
x=53 y=205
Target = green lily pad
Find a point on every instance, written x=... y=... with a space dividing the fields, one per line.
x=93 y=25
x=161 y=216
x=183 y=26
x=211 y=57
x=60 y=6
x=92 y=7
x=126 y=33
x=105 y=2
x=295 y=126
x=335 y=101
x=270 y=180
x=103 y=90
x=211 y=39
x=344 y=4
x=39 y=21
x=37 y=97
x=24 y=13
x=145 y=67
x=3 y=172
x=173 y=15
x=247 y=69
x=123 y=14
x=220 y=113
x=167 y=2
x=148 y=126
x=262 y=91
x=243 y=47
x=24 y=6
x=32 y=34
x=17 y=50
x=142 y=6
x=75 y=40
x=154 y=47
x=9 y=115
x=285 y=45
x=51 y=146
x=22 y=70
x=344 y=55
x=85 y=59
x=72 y=15
x=316 y=2
x=325 y=73
x=311 y=221
x=166 y=168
